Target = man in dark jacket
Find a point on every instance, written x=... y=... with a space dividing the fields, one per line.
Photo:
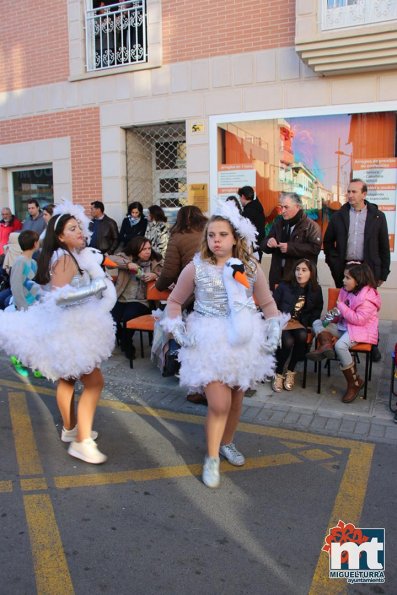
x=253 y=210
x=291 y=237
x=358 y=231
x=105 y=233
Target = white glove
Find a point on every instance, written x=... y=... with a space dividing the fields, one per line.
x=177 y=328
x=181 y=336
x=273 y=330
x=72 y=296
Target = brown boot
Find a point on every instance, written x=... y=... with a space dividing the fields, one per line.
x=354 y=383
x=197 y=399
x=325 y=348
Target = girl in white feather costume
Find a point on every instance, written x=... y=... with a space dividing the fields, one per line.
x=63 y=342
x=226 y=345
x=70 y=331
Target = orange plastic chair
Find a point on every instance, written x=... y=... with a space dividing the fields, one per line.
x=155 y=295
x=145 y=323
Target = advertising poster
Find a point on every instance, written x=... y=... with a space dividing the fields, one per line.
x=233 y=177
x=380 y=175
x=314 y=157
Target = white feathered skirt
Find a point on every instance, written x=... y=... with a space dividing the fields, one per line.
x=213 y=358
x=60 y=342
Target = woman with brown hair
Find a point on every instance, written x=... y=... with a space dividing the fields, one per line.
x=184 y=242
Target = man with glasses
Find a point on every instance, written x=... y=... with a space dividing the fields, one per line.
x=291 y=237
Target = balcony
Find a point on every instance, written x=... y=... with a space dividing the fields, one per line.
x=347 y=36
x=116 y=35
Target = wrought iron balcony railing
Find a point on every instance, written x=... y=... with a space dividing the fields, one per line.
x=116 y=35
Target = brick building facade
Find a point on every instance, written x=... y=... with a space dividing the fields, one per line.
x=208 y=66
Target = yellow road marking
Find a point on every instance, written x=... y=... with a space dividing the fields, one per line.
x=27 y=386
x=51 y=569
x=5 y=486
x=50 y=566
x=35 y=483
x=354 y=481
x=292 y=444
x=301 y=438
x=348 y=504
x=347 y=507
x=74 y=481
x=25 y=444
x=315 y=454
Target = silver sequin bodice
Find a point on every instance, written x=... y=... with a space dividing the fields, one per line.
x=210 y=294
x=80 y=280
x=77 y=280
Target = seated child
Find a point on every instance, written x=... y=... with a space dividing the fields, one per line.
x=302 y=298
x=356 y=320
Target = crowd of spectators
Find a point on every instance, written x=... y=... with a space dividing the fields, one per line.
x=147 y=249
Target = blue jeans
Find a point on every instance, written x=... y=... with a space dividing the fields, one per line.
x=5 y=297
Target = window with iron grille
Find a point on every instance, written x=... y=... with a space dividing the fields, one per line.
x=116 y=34
x=156 y=165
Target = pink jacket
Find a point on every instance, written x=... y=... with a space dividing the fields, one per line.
x=361 y=314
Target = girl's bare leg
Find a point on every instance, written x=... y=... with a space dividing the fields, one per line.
x=93 y=385
x=219 y=397
x=233 y=417
x=65 y=401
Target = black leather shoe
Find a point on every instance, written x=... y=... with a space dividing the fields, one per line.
x=376 y=354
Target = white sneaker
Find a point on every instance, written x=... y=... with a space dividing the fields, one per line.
x=232 y=455
x=210 y=475
x=87 y=451
x=71 y=435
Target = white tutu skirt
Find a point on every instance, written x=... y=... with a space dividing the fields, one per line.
x=213 y=358
x=59 y=342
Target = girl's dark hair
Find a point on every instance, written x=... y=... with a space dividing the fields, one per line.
x=189 y=219
x=135 y=245
x=157 y=213
x=49 y=209
x=135 y=205
x=313 y=281
x=362 y=275
x=51 y=243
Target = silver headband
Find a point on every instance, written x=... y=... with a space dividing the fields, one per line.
x=57 y=220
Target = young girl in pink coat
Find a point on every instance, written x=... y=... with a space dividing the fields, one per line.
x=357 y=322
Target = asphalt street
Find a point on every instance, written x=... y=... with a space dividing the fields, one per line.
x=144 y=523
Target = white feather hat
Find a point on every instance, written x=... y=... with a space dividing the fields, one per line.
x=243 y=226
x=77 y=211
